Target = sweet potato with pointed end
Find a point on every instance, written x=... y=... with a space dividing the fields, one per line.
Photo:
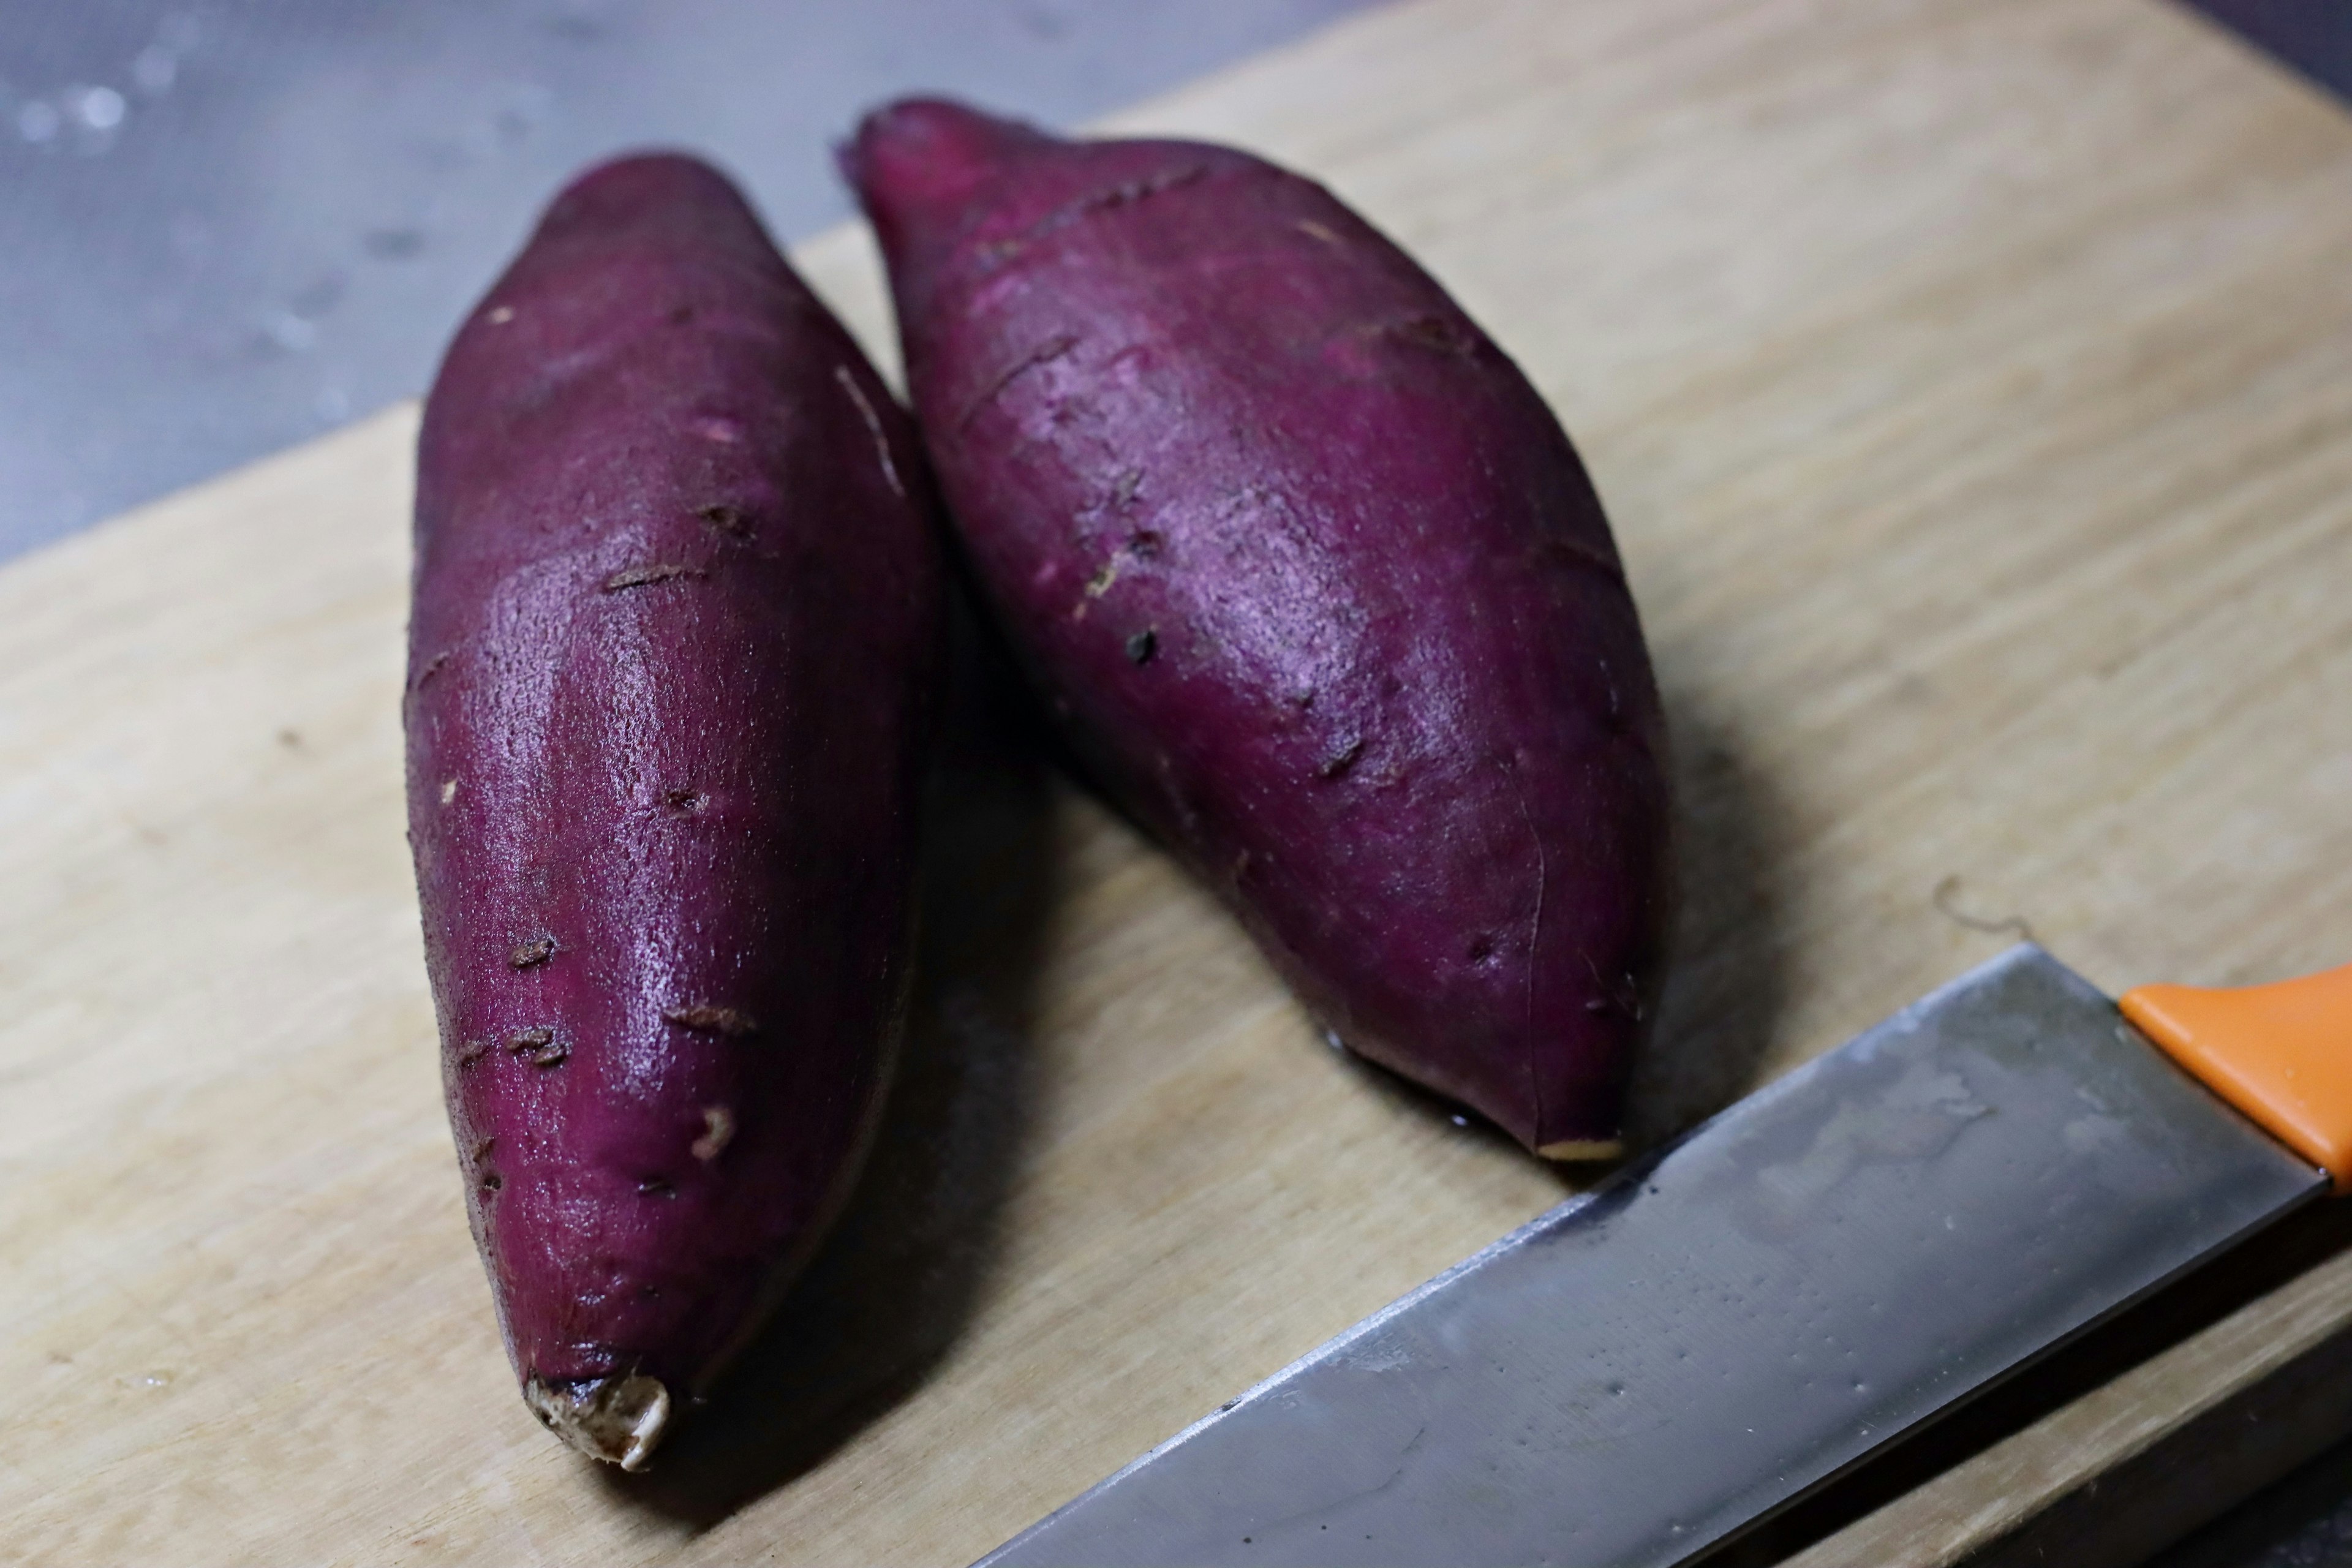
x=1316 y=580
x=677 y=608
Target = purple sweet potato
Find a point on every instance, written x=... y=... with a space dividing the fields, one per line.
x=677 y=605
x=1316 y=582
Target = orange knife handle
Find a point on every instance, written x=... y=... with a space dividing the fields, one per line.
x=2281 y=1053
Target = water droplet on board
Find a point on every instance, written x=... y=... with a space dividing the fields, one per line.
x=392 y=244
x=98 y=107
x=154 y=68
x=289 y=332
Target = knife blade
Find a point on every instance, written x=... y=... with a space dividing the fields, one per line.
x=1655 y=1366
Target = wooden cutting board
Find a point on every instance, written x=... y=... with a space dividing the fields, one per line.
x=1970 y=382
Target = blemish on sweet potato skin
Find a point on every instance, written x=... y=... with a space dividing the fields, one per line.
x=728 y=519
x=542 y=1048
x=653 y=511
x=706 y=1018
x=1043 y=353
x=718 y=1131
x=647 y=575
x=1340 y=759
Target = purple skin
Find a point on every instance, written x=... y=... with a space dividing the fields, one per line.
x=676 y=610
x=1314 y=581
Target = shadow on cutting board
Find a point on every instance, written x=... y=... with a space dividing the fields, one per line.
x=1729 y=979
x=894 y=1286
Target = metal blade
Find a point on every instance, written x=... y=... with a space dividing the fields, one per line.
x=1655 y=1366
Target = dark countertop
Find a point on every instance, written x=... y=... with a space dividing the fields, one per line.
x=232 y=225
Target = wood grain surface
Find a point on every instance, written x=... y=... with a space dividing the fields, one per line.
x=1968 y=380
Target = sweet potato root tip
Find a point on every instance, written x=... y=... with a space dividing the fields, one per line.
x=620 y=1420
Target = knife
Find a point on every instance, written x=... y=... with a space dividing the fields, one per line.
x=1665 y=1361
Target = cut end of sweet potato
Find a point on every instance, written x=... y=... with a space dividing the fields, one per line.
x=620 y=1420
x=1581 y=1149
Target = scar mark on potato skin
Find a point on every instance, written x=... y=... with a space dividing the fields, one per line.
x=1339 y=762
x=1563 y=550
x=538 y=1047
x=728 y=519
x=1316 y=231
x=1431 y=331
x=1100 y=584
x=646 y=576
x=1046 y=352
x=704 y=1018
x=718 y=1131
x=1143 y=646
x=840 y=372
x=432 y=668
x=1093 y=204
x=532 y=954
